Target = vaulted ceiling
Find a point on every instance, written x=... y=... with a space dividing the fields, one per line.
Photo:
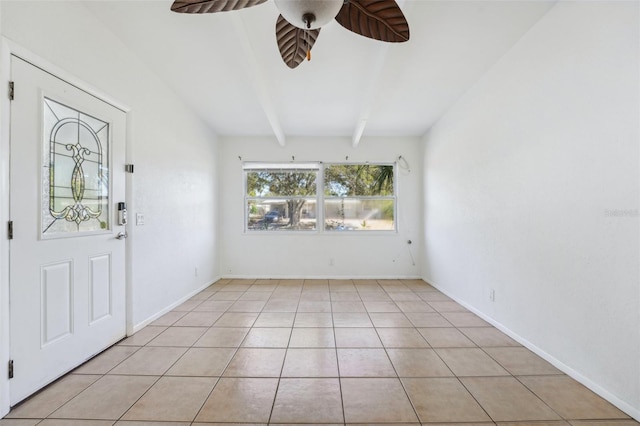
x=227 y=67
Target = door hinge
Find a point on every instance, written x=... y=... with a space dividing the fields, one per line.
x=10 y=230
x=11 y=369
x=128 y=168
x=11 y=90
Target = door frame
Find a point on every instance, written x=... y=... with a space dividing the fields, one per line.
x=8 y=48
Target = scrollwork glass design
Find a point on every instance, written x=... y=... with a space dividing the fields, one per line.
x=76 y=171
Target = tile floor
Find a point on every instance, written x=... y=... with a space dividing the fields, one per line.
x=317 y=352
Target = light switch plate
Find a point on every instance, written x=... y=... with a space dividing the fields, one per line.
x=139 y=219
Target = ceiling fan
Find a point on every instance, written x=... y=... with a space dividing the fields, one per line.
x=300 y=21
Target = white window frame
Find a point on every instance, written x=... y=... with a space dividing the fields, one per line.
x=320 y=197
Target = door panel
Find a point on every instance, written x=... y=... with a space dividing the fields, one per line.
x=67 y=269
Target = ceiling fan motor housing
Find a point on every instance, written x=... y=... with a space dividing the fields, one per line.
x=309 y=14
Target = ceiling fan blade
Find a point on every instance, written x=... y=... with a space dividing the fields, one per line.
x=211 y=6
x=294 y=42
x=378 y=19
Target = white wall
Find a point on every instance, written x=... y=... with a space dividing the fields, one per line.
x=174 y=184
x=308 y=255
x=521 y=178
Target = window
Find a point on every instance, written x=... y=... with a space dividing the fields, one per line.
x=300 y=197
x=281 y=197
x=359 y=197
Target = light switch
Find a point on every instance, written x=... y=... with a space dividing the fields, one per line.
x=139 y=219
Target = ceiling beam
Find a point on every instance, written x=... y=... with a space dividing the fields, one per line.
x=370 y=94
x=257 y=78
x=375 y=81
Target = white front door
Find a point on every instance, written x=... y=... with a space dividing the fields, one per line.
x=67 y=268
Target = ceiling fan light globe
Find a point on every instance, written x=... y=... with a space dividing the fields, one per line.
x=295 y=10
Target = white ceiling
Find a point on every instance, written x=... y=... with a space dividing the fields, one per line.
x=227 y=67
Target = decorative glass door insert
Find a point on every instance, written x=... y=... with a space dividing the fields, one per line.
x=75 y=178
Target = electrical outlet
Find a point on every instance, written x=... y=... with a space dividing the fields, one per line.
x=195 y=273
x=492 y=295
x=331 y=261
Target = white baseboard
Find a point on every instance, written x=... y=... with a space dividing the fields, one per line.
x=595 y=387
x=144 y=323
x=320 y=277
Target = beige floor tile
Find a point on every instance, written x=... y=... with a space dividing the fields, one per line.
x=488 y=337
x=227 y=295
x=254 y=362
x=105 y=361
x=381 y=306
x=202 y=362
x=312 y=338
x=149 y=361
x=345 y=296
x=470 y=362
x=236 y=319
x=357 y=338
x=351 y=319
x=314 y=306
x=390 y=319
x=313 y=319
x=443 y=400
x=187 y=306
x=403 y=296
x=447 y=306
x=402 y=338
x=308 y=401
x=281 y=305
x=178 y=336
x=314 y=296
x=310 y=363
x=548 y=423
x=222 y=337
x=465 y=319
x=240 y=400
x=275 y=319
x=629 y=422
x=434 y=296
x=418 y=363
x=52 y=397
x=415 y=306
x=69 y=422
x=376 y=400
x=169 y=318
x=214 y=306
x=247 y=306
x=198 y=319
x=145 y=423
x=107 y=399
x=521 y=361
x=267 y=338
x=427 y=319
x=570 y=399
x=259 y=294
x=352 y=306
x=172 y=399
x=240 y=286
x=364 y=363
x=446 y=338
x=374 y=296
x=19 y=422
x=506 y=399
x=143 y=336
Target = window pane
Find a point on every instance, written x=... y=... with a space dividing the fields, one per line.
x=344 y=180
x=281 y=183
x=75 y=187
x=352 y=214
x=281 y=215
